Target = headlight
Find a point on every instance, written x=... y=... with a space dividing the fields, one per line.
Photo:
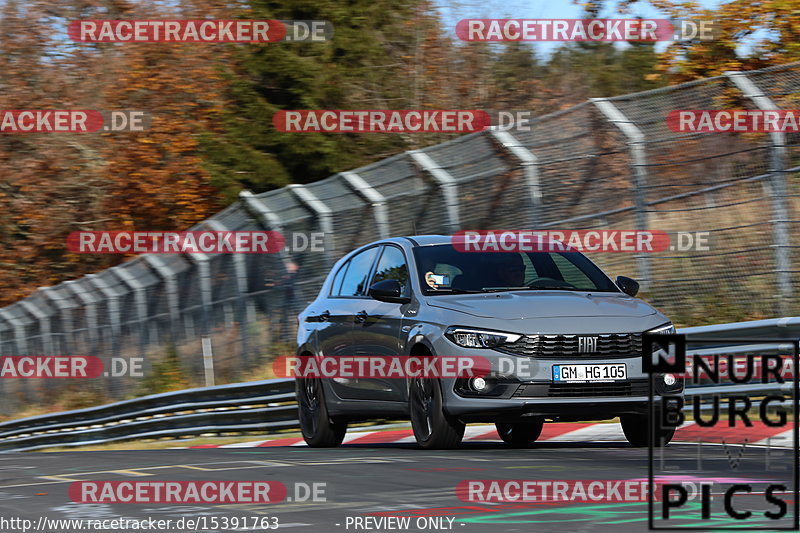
x=478 y=338
x=666 y=329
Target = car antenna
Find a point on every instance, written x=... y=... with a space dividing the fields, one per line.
x=414 y=226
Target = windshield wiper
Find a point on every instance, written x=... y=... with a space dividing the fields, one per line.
x=454 y=291
x=533 y=288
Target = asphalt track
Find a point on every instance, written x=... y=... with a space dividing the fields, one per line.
x=381 y=480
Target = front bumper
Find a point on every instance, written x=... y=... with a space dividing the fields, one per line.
x=563 y=409
x=521 y=387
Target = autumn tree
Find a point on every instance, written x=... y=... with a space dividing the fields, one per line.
x=747 y=35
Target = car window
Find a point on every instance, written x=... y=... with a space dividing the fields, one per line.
x=355 y=279
x=337 y=281
x=569 y=271
x=392 y=265
x=444 y=269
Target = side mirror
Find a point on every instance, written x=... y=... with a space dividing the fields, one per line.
x=388 y=290
x=628 y=286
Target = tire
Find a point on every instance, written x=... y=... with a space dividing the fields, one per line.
x=520 y=434
x=433 y=428
x=636 y=427
x=319 y=431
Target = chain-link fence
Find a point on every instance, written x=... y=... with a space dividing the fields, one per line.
x=606 y=163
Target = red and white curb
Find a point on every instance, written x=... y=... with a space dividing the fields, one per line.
x=758 y=435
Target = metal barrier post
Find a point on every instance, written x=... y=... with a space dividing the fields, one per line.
x=171 y=286
x=245 y=310
x=20 y=346
x=65 y=315
x=777 y=188
x=324 y=215
x=530 y=166
x=90 y=306
x=447 y=184
x=204 y=276
x=44 y=331
x=270 y=221
x=112 y=298
x=266 y=218
x=44 y=325
x=140 y=299
x=636 y=145
x=376 y=200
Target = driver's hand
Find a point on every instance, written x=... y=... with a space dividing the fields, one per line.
x=430 y=281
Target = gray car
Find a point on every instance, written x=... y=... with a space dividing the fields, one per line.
x=563 y=341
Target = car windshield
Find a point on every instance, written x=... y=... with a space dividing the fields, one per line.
x=445 y=270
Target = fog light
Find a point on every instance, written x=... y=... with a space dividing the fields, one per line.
x=669 y=380
x=478 y=384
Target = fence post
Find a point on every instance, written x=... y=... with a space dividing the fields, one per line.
x=44 y=332
x=530 y=166
x=20 y=345
x=376 y=200
x=90 y=313
x=243 y=305
x=270 y=221
x=20 y=342
x=201 y=260
x=112 y=298
x=324 y=215
x=447 y=184
x=171 y=286
x=266 y=218
x=65 y=316
x=9 y=405
x=636 y=145
x=140 y=299
x=44 y=325
x=208 y=362
x=777 y=188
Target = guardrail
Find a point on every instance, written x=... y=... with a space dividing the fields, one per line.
x=270 y=406
x=238 y=407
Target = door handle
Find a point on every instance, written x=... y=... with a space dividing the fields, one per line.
x=362 y=316
x=322 y=317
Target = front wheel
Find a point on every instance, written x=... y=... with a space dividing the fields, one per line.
x=319 y=431
x=433 y=428
x=636 y=428
x=520 y=434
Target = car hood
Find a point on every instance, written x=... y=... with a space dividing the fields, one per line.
x=543 y=304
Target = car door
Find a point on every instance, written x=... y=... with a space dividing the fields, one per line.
x=335 y=338
x=332 y=320
x=378 y=325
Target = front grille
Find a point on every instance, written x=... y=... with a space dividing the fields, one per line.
x=582 y=390
x=557 y=346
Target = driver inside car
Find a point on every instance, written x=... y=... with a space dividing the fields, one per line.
x=508 y=270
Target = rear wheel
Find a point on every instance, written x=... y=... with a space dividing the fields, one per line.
x=433 y=428
x=636 y=428
x=319 y=431
x=520 y=434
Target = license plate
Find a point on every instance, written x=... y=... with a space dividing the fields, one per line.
x=607 y=372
